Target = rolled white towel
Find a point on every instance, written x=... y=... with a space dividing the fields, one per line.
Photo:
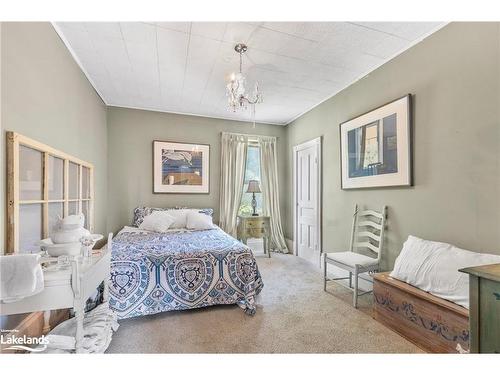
x=60 y=342
x=21 y=276
x=98 y=325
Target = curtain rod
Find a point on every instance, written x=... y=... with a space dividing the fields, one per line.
x=251 y=135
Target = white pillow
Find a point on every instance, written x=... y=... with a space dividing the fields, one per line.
x=157 y=221
x=433 y=267
x=198 y=221
x=180 y=217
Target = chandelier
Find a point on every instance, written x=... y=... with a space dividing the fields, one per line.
x=238 y=98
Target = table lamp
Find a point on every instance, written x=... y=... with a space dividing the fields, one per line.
x=253 y=187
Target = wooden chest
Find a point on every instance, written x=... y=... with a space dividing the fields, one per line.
x=484 y=293
x=432 y=323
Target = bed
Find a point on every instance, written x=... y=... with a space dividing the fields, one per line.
x=179 y=270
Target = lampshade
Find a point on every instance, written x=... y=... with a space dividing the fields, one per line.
x=253 y=186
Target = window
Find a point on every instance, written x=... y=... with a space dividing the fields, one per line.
x=372 y=154
x=252 y=172
x=43 y=184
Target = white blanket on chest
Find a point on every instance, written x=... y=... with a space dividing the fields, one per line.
x=433 y=267
x=20 y=276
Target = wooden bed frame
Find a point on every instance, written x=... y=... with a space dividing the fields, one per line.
x=432 y=323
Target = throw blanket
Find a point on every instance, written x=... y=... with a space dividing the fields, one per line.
x=155 y=272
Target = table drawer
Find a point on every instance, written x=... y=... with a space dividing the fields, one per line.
x=256 y=232
x=255 y=224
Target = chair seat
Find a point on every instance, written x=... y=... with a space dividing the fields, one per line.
x=352 y=259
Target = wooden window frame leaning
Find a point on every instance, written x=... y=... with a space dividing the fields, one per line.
x=14 y=141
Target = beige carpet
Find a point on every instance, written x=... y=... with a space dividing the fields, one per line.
x=294 y=315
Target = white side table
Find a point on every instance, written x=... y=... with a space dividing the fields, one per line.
x=69 y=288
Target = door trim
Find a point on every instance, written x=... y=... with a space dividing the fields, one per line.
x=313 y=142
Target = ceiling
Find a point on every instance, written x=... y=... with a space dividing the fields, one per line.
x=182 y=67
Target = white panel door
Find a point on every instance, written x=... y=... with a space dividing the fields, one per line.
x=307 y=197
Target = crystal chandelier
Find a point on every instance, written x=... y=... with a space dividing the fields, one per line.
x=237 y=96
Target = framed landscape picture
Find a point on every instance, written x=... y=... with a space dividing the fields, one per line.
x=375 y=148
x=180 y=167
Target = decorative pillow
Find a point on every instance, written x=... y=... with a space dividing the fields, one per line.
x=157 y=221
x=206 y=211
x=198 y=221
x=180 y=217
x=141 y=212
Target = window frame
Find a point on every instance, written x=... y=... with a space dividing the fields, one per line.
x=256 y=144
x=14 y=142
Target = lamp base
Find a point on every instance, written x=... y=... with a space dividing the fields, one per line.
x=254 y=205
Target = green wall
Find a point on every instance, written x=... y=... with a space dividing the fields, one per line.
x=454 y=77
x=130 y=147
x=45 y=96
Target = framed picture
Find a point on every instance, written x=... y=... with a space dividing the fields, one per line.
x=180 y=167
x=376 y=148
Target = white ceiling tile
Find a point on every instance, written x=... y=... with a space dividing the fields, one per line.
x=80 y=40
x=275 y=62
x=142 y=53
x=281 y=44
x=406 y=30
x=138 y=32
x=315 y=31
x=103 y=29
x=172 y=48
x=202 y=55
x=385 y=47
x=212 y=30
x=112 y=52
x=80 y=26
x=183 y=67
x=177 y=26
x=239 y=32
x=350 y=37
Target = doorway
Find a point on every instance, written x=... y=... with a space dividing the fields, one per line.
x=307 y=200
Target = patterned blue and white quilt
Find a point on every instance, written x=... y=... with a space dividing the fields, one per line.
x=179 y=270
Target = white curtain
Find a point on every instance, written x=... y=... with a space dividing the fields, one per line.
x=233 y=159
x=270 y=191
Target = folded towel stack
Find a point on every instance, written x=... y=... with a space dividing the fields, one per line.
x=98 y=326
x=21 y=276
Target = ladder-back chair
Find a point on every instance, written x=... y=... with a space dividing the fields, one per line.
x=367 y=234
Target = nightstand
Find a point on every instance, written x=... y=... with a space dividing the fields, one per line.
x=255 y=227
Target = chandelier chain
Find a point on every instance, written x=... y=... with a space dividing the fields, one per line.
x=241 y=61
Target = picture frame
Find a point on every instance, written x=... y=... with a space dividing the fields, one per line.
x=376 y=147
x=181 y=168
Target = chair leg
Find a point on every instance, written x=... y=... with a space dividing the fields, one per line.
x=355 y=294
x=350 y=279
x=324 y=273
